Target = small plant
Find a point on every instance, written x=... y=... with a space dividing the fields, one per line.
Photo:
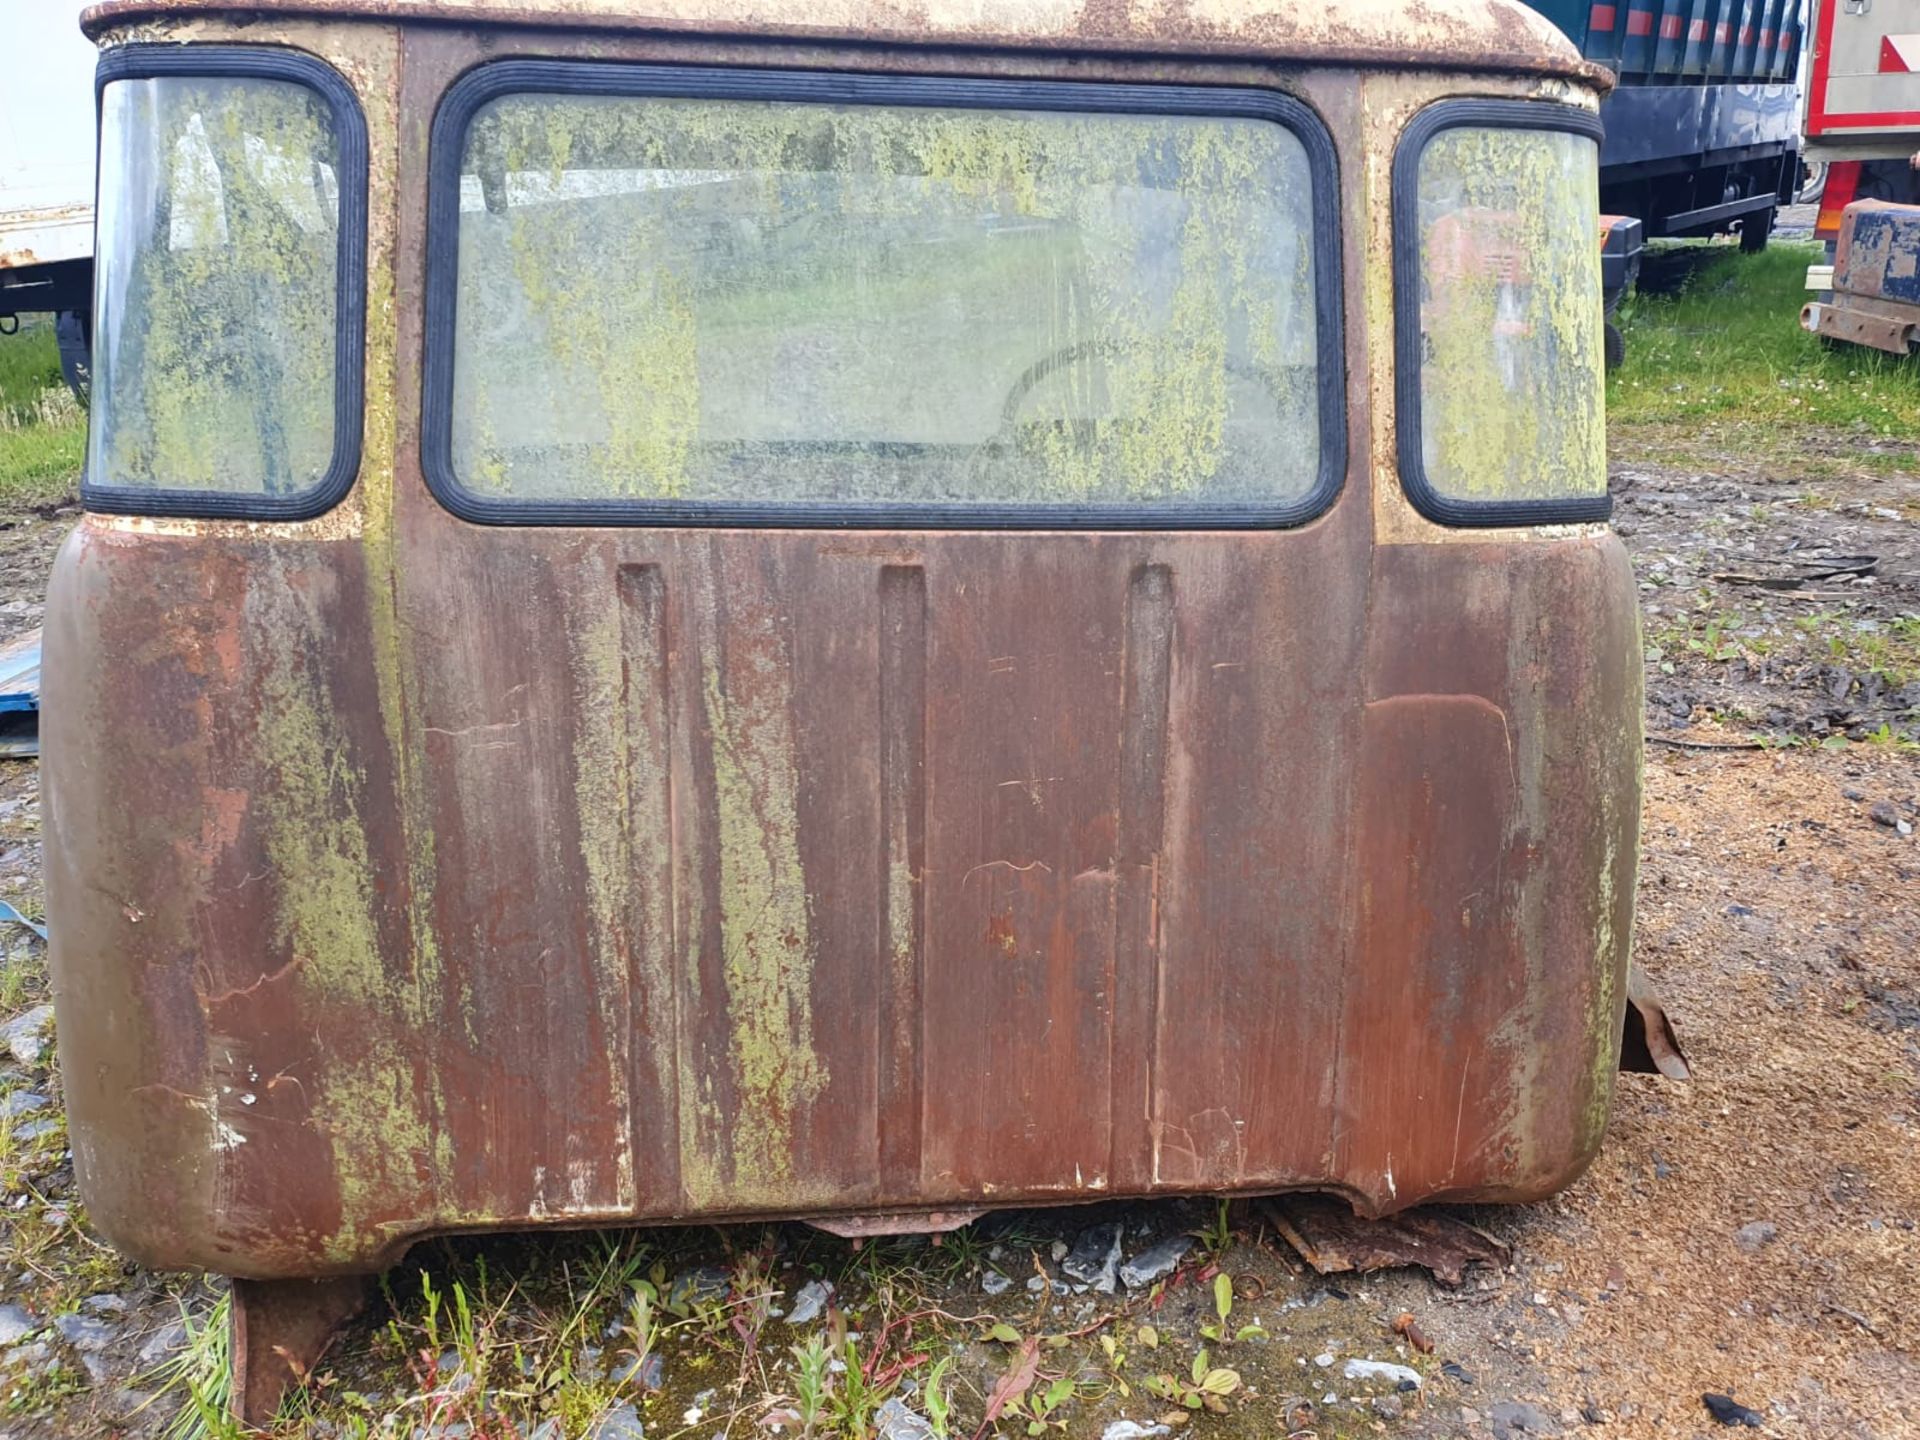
x=956 y=1256
x=1223 y=1311
x=1115 y=1356
x=461 y=1334
x=1041 y=1409
x=1207 y=1389
x=643 y=1330
x=750 y=1301
x=854 y=1400
x=811 y=1382
x=1216 y=1237
x=1886 y=735
x=939 y=1411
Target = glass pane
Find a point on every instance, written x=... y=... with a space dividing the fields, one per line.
x=215 y=279
x=674 y=299
x=1511 y=386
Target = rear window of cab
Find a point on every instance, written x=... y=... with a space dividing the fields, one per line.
x=1499 y=326
x=700 y=296
x=229 y=284
x=694 y=296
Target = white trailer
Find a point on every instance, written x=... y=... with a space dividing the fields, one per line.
x=46 y=172
x=1863 y=84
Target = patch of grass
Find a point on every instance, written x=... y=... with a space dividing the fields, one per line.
x=197 y=1378
x=23 y=980
x=1719 y=365
x=43 y=431
x=29 y=363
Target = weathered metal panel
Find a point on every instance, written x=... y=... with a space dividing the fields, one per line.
x=489 y=877
x=668 y=843
x=1507 y=864
x=1266 y=660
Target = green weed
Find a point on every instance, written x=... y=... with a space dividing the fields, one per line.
x=1205 y=1386
x=1886 y=736
x=811 y=1381
x=858 y=1395
x=1220 y=1332
x=1216 y=1236
x=939 y=1406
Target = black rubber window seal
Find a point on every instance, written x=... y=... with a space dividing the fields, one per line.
x=1533 y=115
x=221 y=62
x=446 y=148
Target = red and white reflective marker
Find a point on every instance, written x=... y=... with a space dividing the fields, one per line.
x=1899 y=54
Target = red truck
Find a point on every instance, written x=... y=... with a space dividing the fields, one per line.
x=1863 y=125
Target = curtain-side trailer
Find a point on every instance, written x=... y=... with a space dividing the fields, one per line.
x=1702 y=127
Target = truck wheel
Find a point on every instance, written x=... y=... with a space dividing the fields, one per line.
x=72 y=332
x=1754 y=231
x=1616 y=345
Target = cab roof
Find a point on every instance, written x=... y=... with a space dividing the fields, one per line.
x=1464 y=34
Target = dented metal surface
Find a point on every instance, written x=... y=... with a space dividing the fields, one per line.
x=487 y=877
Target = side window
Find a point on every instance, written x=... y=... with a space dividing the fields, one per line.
x=676 y=296
x=1500 y=381
x=228 y=284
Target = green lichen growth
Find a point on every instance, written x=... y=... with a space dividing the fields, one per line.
x=600 y=787
x=600 y=782
x=314 y=834
x=219 y=219
x=768 y=947
x=378 y=1121
x=672 y=298
x=387 y=642
x=383 y=1144
x=1625 y=751
x=1511 y=397
x=1604 y=1044
x=393 y=1127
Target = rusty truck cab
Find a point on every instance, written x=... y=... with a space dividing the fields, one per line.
x=855 y=613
